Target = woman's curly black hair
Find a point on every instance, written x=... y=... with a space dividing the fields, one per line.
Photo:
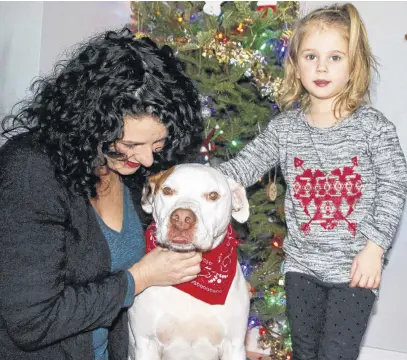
x=83 y=103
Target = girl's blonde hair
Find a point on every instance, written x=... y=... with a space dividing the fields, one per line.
x=361 y=60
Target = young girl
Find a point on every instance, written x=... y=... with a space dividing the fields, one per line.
x=346 y=181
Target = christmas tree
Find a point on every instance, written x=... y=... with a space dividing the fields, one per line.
x=234 y=51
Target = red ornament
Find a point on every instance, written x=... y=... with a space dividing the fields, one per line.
x=221 y=37
x=262 y=331
x=277 y=241
x=208 y=146
x=265 y=9
x=240 y=28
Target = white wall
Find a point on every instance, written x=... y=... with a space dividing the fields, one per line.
x=33 y=35
x=65 y=23
x=20 y=44
x=386 y=27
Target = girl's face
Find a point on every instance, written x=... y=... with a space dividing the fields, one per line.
x=323 y=63
x=142 y=137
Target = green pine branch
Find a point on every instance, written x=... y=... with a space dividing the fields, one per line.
x=231 y=71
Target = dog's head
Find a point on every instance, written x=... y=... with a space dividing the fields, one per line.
x=192 y=205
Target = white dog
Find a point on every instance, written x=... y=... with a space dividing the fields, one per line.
x=192 y=206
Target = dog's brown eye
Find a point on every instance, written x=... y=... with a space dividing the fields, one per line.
x=213 y=196
x=167 y=191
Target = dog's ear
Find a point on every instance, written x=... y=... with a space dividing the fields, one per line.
x=240 y=204
x=147 y=198
x=151 y=188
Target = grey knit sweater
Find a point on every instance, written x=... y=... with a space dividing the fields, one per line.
x=345 y=184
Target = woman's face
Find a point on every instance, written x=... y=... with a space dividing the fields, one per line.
x=142 y=136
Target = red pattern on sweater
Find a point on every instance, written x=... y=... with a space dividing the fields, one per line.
x=328 y=199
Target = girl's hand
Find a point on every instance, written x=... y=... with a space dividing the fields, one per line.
x=366 y=269
x=162 y=267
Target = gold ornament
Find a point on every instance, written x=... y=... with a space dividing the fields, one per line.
x=287 y=34
x=277 y=86
x=225 y=51
x=139 y=35
x=181 y=40
x=271 y=189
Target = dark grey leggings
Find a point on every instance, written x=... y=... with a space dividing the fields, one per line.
x=327 y=320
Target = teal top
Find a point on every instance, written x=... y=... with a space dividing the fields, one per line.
x=126 y=248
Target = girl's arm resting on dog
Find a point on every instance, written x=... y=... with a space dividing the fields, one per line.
x=38 y=307
x=255 y=159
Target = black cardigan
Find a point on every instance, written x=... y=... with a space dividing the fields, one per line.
x=55 y=280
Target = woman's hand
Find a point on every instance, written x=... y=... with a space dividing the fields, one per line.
x=367 y=267
x=162 y=267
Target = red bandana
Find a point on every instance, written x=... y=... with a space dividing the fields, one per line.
x=218 y=269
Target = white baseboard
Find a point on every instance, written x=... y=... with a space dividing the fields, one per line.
x=367 y=353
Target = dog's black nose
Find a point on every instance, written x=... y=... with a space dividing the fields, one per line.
x=183 y=219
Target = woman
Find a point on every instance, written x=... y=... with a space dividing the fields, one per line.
x=72 y=245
